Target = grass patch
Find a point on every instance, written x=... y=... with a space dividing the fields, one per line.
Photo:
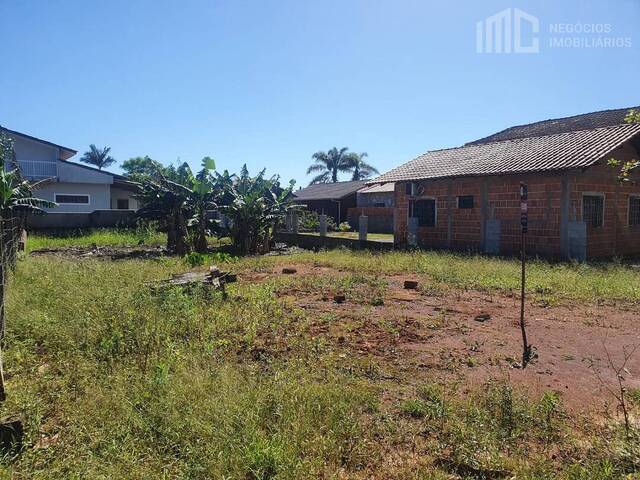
x=118 y=379
x=136 y=383
x=550 y=281
x=107 y=237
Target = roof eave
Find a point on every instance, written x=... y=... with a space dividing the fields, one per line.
x=68 y=152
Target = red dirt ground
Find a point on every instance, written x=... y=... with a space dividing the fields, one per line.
x=425 y=335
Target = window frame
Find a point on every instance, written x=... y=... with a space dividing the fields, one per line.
x=435 y=211
x=473 y=202
x=55 y=198
x=632 y=197
x=604 y=209
x=123 y=200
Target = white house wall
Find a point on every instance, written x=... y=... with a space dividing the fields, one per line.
x=119 y=193
x=68 y=172
x=99 y=196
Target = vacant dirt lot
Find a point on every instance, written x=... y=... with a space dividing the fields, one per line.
x=415 y=336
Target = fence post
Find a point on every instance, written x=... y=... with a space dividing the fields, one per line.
x=363 y=227
x=4 y=265
x=323 y=225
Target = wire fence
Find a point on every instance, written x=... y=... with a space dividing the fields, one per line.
x=12 y=241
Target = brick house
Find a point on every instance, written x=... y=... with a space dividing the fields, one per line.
x=377 y=203
x=467 y=198
x=331 y=199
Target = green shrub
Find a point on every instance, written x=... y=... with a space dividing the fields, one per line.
x=309 y=221
x=195 y=259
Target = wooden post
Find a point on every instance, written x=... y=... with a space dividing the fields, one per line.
x=524 y=221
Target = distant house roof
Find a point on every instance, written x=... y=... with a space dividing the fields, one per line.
x=118 y=180
x=329 y=191
x=65 y=152
x=378 y=188
x=561 y=151
x=95 y=169
x=585 y=121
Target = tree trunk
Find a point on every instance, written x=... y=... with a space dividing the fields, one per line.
x=182 y=244
x=200 y=242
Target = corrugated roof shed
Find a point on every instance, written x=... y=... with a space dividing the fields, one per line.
x=329 y=191
x=533 y=154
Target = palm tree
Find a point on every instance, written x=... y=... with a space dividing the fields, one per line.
x=361 y=169
x=329 y=164
x=98 y=156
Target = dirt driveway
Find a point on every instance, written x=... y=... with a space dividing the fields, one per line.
x=426 y=334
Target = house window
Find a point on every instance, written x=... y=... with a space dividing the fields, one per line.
x=634 y=211
x=593 y=210
x=408 y=188
x=465 y=201
x=425 y=211
x=122 y=204
x=64 y=198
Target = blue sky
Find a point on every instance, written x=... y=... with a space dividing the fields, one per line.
x=270 y=82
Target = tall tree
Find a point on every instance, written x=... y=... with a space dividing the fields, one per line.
x=137 y=167
x=328 y=164
x=361 y=169
x=98 y=156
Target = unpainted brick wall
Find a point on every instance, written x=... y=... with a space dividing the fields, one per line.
x=498 y=198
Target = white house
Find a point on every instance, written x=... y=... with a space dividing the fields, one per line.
x=76 y=188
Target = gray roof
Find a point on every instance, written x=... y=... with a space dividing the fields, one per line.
x=562 y=151
x=65 y=152
x=585 y=121
x=95 y=169
x=378 y=188
x=329 y=191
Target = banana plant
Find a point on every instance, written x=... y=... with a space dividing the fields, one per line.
x=257 y=205
x=16 y=193
x=203 y=200
x=16 y=202
x=168 y=202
